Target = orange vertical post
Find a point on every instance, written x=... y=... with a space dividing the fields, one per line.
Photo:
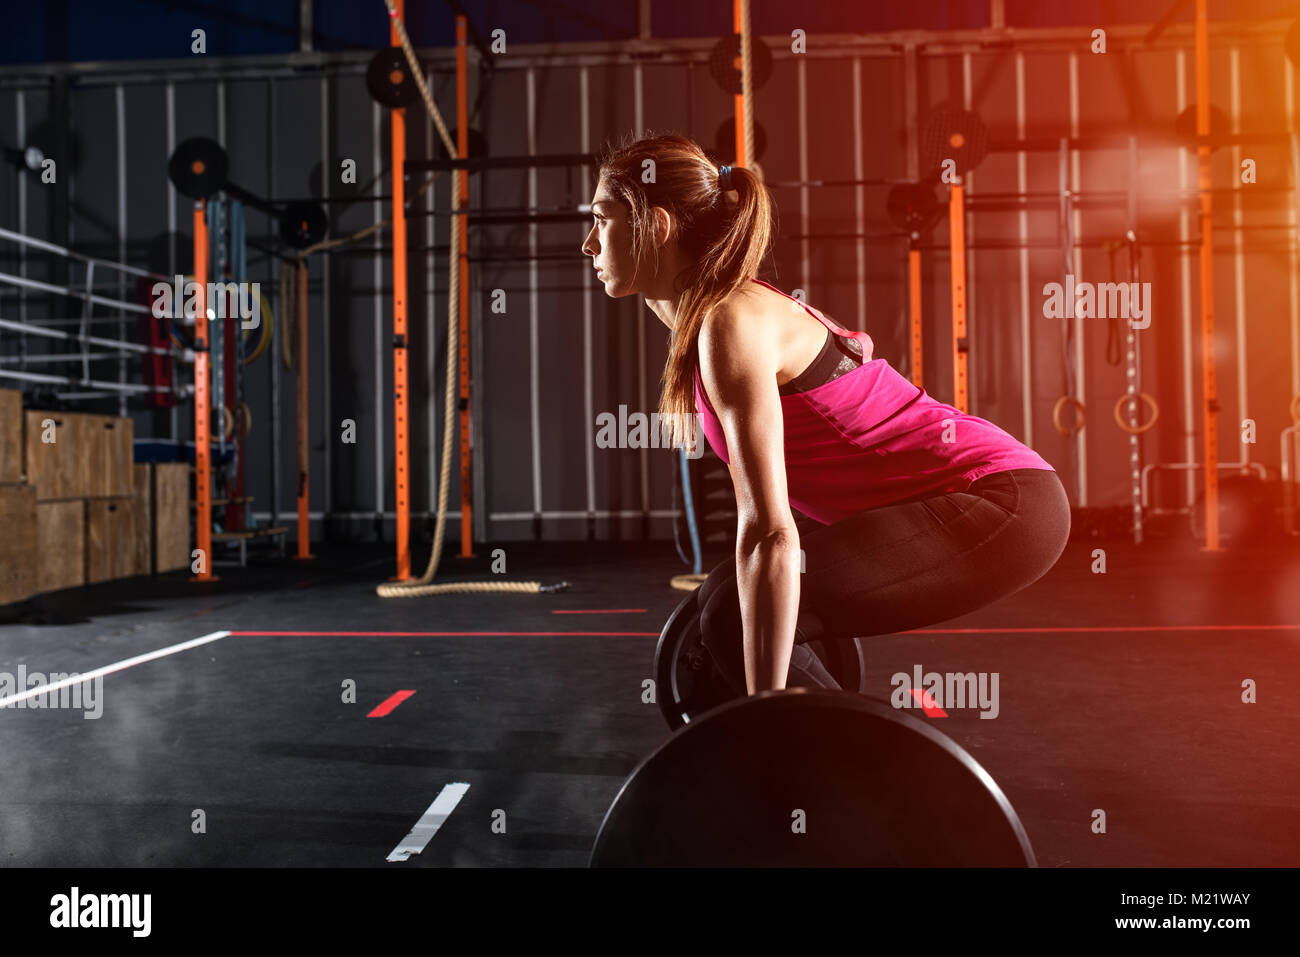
x=957 y=225
x=202 y=400
x=1208 y=384
x=304 y=445
x=461 y=178
x=914 y=312
x=737 y=17
x=401 y=422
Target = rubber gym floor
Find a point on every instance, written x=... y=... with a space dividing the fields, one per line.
x=1119 y=691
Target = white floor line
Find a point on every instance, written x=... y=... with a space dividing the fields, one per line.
x=109 y=669
x=429 y=822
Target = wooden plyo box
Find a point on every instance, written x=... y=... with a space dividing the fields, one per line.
x=17 y=543
x=110 y=539
x=171 y=516
x=60 y=544
x=161 y=503
x=142 y=512
x=11 y=436
x=108 y=443
x=51 y=456
x=75 y=455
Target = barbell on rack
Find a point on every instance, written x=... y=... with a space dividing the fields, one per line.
x=198 y=168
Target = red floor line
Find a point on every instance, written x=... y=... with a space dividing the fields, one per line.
x=446 y=634
x=598 y=611
x=928 y=704
x=389 y=703
x=1095 y=628
x=655 y=634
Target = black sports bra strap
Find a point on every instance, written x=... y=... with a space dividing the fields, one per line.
x=839 y=355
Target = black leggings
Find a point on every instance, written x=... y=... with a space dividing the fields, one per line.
x=902 y=566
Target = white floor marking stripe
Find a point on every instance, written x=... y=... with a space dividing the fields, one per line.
x=428 y=824
x=109 y=669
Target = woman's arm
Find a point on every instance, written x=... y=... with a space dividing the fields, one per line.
x=739 y=361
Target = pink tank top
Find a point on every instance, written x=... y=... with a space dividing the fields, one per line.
x=870 y=438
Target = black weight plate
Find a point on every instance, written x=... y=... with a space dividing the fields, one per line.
x=477 y=144
x=845 y=661
x=724 y=63
x=872 y=786
x=198 y=167
x=303 y=224
x=686 y=682
x=1185 y=126
x=914 y=206
x=388 y=78
x=955 y=134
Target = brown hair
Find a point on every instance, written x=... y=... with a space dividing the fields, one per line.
x=726 y=238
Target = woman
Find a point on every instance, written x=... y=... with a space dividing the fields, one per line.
x=915 y=512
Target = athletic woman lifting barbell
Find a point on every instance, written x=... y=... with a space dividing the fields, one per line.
x=917 y=512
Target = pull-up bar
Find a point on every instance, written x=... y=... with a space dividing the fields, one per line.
x=1146 y=139
x=474 y=163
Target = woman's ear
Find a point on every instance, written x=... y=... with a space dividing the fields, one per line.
x=663 y=225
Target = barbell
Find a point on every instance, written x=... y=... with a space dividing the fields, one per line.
x=800 y=777
x=810 y=778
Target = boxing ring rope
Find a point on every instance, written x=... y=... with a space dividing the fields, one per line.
x=89 y=298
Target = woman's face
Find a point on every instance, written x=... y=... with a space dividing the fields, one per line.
x=609 y=244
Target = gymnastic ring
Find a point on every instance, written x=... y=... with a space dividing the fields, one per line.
x=1056 y=415
x=1295 y=409
x=245 y=420
x=264 y=328
x=688 y=582
x=227 y=422
x=288 y=284
x=1155 y=414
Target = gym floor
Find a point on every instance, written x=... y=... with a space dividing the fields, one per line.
x=1119 y=691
